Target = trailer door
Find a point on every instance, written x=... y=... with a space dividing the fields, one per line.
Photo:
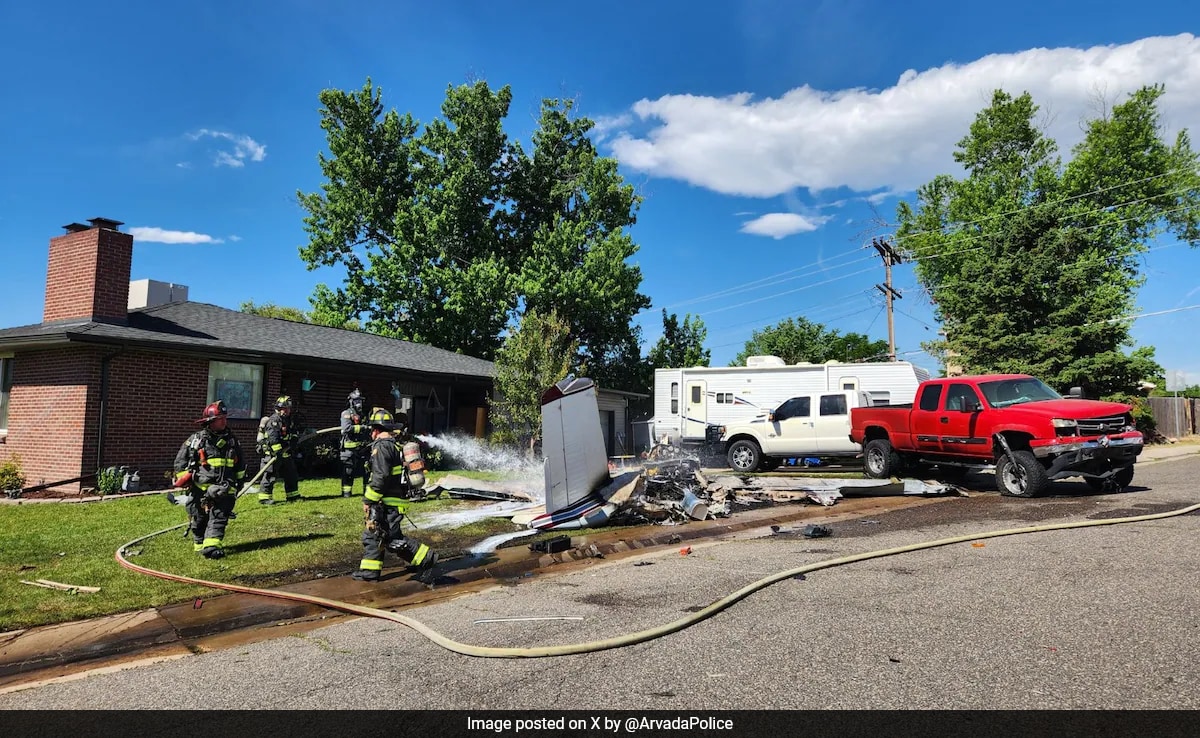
x=695 y=410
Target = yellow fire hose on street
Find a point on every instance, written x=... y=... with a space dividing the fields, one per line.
x=629 y=639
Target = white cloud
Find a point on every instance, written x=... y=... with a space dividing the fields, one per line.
x=244 y=147
x=183 y=165
x=606 y=124
x=235 y=239
x=781 y=225
x=899 y=137
x=160 y=235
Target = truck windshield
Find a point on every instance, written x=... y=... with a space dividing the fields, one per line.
x=1005 y=392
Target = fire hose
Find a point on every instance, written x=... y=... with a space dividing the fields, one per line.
x=629 y=639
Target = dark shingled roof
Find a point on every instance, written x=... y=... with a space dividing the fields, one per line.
x=197 y=326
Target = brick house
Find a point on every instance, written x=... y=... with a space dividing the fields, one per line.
x=117 y=372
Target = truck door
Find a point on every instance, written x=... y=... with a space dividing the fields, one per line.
x=792 y=432
x=958 y=428
x=695 y=410
x=924 y=421
x=833 y=424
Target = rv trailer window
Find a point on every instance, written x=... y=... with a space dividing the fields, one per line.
x=881 y=397
x=674 y=398
x=724 y=398
x=696 y=395
x=833 y=404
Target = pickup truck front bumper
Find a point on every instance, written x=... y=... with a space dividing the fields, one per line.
x=1093 y=456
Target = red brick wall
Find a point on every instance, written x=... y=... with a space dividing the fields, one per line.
x=87 y=275
x=48 y=412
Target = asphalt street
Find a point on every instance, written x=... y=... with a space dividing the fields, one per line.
x=1100 y=617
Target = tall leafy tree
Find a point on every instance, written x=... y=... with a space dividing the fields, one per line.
x=451 y=232
x=533 y=358
x=296 y=315
x=798 y=339
x=1032 y=264
x=681 y=345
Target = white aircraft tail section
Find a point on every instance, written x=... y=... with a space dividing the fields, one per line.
x=572 y=443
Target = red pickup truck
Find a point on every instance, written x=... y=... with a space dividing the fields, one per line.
x=1030 y=433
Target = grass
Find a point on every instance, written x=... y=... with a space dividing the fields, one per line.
x=266 y=546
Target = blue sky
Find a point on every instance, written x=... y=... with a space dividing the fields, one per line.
x=764 y=136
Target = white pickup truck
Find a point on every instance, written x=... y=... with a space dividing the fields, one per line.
x=809 y=425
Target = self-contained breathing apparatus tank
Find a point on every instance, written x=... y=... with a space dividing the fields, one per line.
x=414 y=463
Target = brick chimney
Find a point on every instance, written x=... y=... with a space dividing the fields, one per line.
x=87 y=277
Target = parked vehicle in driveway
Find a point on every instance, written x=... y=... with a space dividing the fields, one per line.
x=1014 y=423
x=815 y=424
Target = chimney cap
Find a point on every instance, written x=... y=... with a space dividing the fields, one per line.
x=75 y=227
x=107 y=223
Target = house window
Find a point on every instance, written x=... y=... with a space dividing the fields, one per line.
x=239 y=385
x=674 y=398
x=6 y=370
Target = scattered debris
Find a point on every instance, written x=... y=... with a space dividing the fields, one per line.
x=685 y=550
x=72 y=588
x=816 y=531
x=893 y=659
x=643 y=563
x=523 y=619
x=977 y=545
x=551 y=545
x=199 y=603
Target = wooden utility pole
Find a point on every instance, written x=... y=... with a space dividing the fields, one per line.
x=890 y=256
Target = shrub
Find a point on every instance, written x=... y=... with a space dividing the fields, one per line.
x=108 y=481
x=10 y=474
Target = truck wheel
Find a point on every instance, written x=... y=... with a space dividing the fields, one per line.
x=880 y=460
x=744 y=456
x=1026 y=478
x=1115 y=483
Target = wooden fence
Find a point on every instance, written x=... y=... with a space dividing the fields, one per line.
x=1175 y=417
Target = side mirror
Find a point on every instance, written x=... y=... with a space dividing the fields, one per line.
x=971 y=406
x=1076 y=393
x=771 y=417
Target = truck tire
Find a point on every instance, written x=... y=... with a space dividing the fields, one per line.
x=1025 y=479
x=744 y=456
x=880 y=460
x=1117 y=482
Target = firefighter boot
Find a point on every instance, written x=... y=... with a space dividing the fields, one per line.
x=366 y=575
x=417 y=555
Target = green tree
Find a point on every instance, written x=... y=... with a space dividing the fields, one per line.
x=797 y=339
x=451 y=232
x=317 y=316
x=681 y=345
x=532 y=359
x=1031 y=264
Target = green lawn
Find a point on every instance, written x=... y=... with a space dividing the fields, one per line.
x=266 y=546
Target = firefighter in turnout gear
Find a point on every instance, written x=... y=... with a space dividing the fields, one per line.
x=211 y=467
x=277 y=438
x=394 y=473
x=356 y=443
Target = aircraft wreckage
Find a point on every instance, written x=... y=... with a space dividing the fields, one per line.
x=582 y=492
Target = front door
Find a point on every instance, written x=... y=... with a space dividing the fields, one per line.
x=695 y=410
x=792 y=432
x=958 y=426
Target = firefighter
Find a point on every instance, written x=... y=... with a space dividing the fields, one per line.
x=394 y=474
x=277 y=438
x=210 y=465
x=356 y=443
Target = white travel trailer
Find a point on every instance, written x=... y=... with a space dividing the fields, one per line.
x=686 y=401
